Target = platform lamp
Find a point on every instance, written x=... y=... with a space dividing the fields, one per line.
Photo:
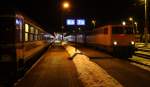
x=65 y=6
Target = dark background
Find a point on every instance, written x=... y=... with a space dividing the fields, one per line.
x=49 y=13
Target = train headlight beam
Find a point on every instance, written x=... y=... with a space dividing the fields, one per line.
x=115 y=43
x=132 y=42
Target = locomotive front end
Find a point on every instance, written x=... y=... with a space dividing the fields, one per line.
x=123 y=41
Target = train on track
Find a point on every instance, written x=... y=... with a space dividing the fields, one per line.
x=22 y=42
x=116 y=39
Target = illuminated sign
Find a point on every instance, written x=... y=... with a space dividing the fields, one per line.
x=70 y=22
x=80 y=22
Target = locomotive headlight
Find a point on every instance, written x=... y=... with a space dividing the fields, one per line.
x=132 y=42
x=115 y=43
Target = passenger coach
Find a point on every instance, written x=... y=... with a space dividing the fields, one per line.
x=22 y=41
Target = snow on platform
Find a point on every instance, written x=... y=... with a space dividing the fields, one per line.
x=91 y=74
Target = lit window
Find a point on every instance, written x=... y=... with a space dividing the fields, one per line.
x=35 y=37
x=36 y=31
x=26 y=28
x=32 y=29
x=26 y=36
x=31 y=37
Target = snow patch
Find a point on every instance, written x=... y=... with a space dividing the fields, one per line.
x=72 y=51
x=91 y=74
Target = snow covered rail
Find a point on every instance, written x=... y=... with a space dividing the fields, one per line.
x=89 y=72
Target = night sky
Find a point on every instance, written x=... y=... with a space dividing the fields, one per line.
x=48 y=13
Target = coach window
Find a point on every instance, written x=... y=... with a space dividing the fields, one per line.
x=26 y=32
x=36 y=34
x=31 y=33
x=42 y=36
x=19 y=29
x=39 y=35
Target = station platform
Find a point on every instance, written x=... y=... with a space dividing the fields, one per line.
x=142 y=54
x=53 y=69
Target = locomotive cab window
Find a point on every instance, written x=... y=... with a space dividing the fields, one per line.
x=122 y=30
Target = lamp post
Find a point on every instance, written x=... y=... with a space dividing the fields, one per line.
x=123 y=23
x=93 y=22
x=136 y=27
x=131 y=19
x=65 y=6
x=62 y=36
x=146 y=24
